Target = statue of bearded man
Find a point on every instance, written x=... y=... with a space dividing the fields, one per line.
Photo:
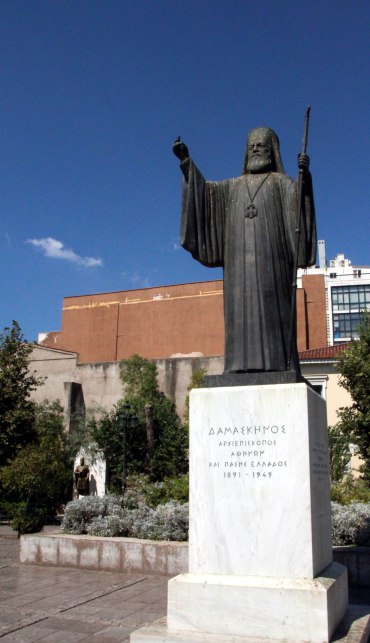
x=247 y=225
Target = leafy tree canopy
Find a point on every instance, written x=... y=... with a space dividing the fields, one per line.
x=41 y=473
x=17 y=410
x=354 y=368
x=169 y=456
x=139 y=376
x=339 y=451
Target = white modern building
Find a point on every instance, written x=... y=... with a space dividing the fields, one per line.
x=347 y=293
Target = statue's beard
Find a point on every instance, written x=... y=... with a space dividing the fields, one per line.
x=259 y=164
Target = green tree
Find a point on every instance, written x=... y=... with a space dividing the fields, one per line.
x=354 y=368
x=139 y=377
x=40 y=475
x=107 y=437
x=50 y=422
x=339 y=452
x=17 y=410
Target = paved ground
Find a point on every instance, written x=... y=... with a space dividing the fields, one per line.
x=61 y=604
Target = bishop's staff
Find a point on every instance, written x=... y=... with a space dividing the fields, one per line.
x=302 y=168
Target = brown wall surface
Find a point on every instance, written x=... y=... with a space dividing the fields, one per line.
x=177 y=325
x=91 y=332
x=153 y=322
x=160 y=322
x=314 y=288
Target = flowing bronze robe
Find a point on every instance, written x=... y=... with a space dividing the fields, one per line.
x=257 y=256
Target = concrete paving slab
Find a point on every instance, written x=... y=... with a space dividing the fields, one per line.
x=64 y=604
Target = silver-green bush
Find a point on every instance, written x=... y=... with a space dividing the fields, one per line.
x=165 y=522
x=80 y=513
x=113 y=525
x=351 y=524
x=107 y=517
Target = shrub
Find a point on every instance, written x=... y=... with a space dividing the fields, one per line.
x=140 y=489
x=11 y=509
x=350 y=490
x=160 y=493
x=80 y=513
x=27 y=521
x=351 y=524
x=114 y=525
x=165 y=522
x=107 y=517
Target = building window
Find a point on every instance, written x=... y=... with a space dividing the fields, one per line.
x=347 y=304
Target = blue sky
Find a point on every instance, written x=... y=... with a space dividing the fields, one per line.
x=94 y=93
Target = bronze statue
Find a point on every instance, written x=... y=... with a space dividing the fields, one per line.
x=247 y=225
x=82 y=478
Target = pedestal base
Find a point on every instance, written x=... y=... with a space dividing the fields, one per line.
x=260 y=552
x=212 y=607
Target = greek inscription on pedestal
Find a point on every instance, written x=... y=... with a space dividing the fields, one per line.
x=254 y=451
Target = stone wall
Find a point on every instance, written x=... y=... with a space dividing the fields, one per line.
x=128 y=555
x=131 y=555
x=100 y=382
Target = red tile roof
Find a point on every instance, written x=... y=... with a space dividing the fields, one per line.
x=327 y=352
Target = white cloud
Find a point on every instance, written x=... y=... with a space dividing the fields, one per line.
x=140 y=282
x=56 y=250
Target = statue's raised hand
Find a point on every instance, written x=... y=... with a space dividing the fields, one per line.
x=180 y=150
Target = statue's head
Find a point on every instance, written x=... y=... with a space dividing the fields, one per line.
x=82 y=461
x=263 y=152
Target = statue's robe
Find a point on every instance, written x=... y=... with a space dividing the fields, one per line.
x=257 y=256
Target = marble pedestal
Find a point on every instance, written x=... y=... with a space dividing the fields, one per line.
x=260 y=554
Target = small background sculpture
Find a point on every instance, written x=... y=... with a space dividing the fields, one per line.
x=81 y=474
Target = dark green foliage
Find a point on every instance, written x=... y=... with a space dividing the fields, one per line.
x=339 y=452
x=139 y=377
x=38 y=475
x=349 y=490
x=36 y=453
x=28 y=520
x=171 y=441
x=160 y=492
x=41 y=474
x=17 y=411
x=354 y=367
x=8 y=508
x=107 y=435
x=49 y=423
